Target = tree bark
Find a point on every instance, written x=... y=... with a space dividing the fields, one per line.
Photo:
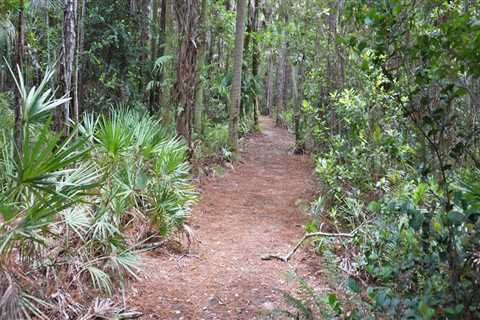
x=187 y=15
x=20 y=53
x=161 y=49
x=62 y=116
x=298 y=75
x=282 y=68
x=199 y=98
x=270 y=83
x=144 y=40
x=235 y=90
x=255 y=60
x=246 y=47
x=78 y=62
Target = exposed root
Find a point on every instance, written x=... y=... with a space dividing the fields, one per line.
x=305 y=237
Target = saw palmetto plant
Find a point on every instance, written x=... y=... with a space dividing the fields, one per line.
x=67 y=203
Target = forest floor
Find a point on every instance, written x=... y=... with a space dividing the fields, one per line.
x=251 y=210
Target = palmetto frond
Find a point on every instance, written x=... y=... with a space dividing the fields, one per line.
x=41 y=5
x=100 y=279
x=37 y=103
x=161 y=62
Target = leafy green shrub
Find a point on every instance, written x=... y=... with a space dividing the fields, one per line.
x=246 y=126
x=215 y=142
x=417 y=249
x=409 y=255
x=287 y=119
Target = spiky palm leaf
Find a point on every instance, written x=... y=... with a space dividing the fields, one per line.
x=37 y=103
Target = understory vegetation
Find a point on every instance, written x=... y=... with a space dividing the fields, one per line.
x=108 y=108
x=77 y=210
x=390 y=112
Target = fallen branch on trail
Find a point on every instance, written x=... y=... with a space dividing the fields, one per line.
x=305 y=237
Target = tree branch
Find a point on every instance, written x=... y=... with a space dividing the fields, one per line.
x=305 y=237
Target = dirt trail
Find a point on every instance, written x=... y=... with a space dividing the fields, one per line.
x=251 y=211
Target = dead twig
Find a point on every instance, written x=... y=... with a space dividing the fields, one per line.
x=305 y=237
x=151 y=246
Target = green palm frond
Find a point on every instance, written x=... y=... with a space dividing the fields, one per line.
x=77 y=220
x=88 y=127
x=104 y=227
x=37 y=103
x=42 y=5
x=113 y=136
x=125 y=261
x=161 y=62
x=100 y=279
x=47 y=165
x=32 y=305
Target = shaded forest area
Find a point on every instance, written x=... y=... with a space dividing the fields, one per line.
x=111 y=111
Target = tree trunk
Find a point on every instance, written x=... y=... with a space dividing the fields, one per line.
x=246 y=47
x=153 y=52
x=235 y=90
x=78 y=62
x=277 y=82
x=199 y=98
x=282 y=68
x=187 y=15
x=286 y=68
x=144 y=40
x=298 y=76
x=20 y=53
x=62 y=116
x=255 y=60
x=270 y=84
x=161 y=49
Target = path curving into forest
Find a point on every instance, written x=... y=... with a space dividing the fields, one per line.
x=250 y=211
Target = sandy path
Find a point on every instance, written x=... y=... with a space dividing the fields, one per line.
x=249 y=212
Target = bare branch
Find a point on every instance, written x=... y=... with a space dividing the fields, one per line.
x=305 y=237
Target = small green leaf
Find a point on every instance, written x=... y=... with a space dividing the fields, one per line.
x=7 y=212
x=353 y=285
x=455 y=217
x=311 y=227
x=332 y=298
x=374 y=206
x=426 y=311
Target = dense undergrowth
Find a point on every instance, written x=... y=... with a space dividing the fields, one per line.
x=77 y=210
x=396 y=152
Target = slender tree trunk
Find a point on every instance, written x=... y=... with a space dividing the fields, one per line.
x=277 y=83
x=246 y=47
x=298 y=77
x=78 y=62
x=144 y=40
x=161 y=48
x=336 y=63
x=270 y=77
x=255 y=60
x=282 y=68
x=20 y=53
x=202 y=45
x=236 y=88
x=270 y=83
x=153 y=52
x=153 y=29
x=187 y=13
x=62 y=116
